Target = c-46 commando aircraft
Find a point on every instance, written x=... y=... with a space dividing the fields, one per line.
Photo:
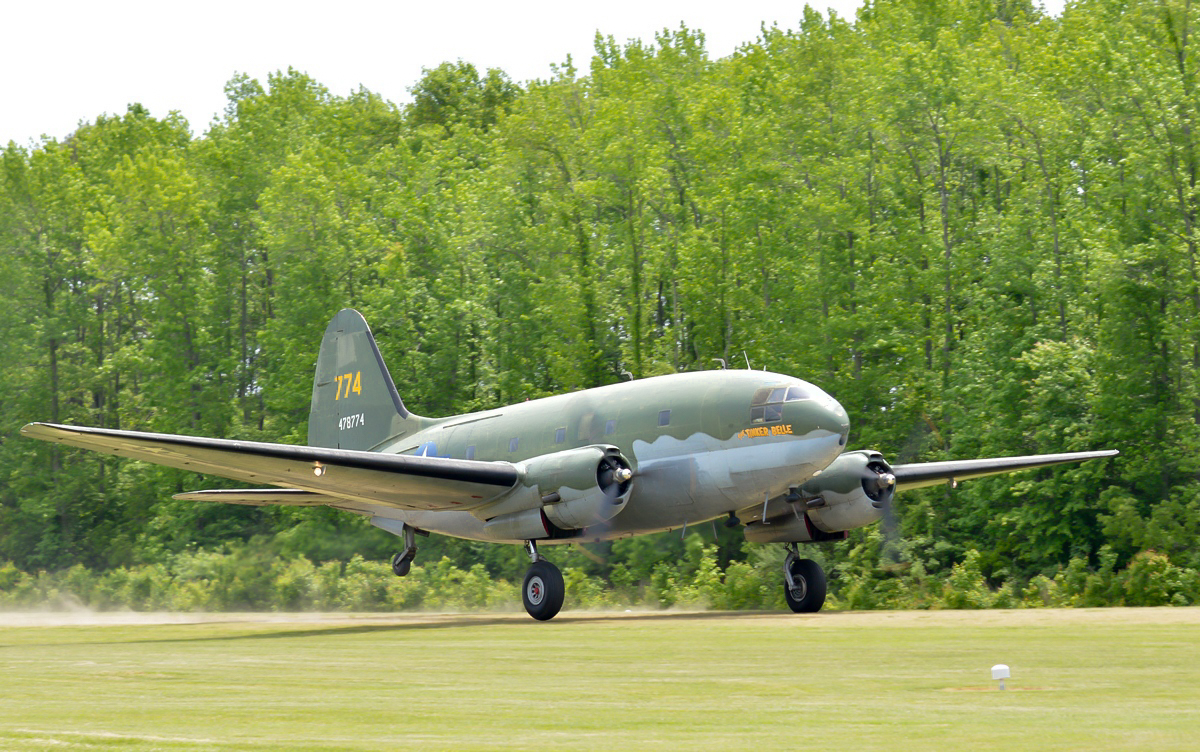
x=626 y=459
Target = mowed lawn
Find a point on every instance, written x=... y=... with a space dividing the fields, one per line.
x=1081 y=679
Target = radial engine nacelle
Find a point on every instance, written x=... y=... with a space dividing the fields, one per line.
x=560 y=493
x=853 y=491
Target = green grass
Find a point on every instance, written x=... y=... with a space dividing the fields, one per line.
x=1083 y=679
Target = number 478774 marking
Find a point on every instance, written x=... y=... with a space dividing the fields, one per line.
x=347 y=383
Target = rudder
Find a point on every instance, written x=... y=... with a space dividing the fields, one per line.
x=355 y=404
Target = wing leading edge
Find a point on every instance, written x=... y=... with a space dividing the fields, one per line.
x=921 y=474
x=313 y=475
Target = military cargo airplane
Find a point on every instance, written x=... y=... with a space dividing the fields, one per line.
x=631 y=458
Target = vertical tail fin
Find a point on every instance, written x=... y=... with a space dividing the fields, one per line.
x=355 y=404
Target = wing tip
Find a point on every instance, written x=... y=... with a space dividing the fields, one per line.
x=44 y=431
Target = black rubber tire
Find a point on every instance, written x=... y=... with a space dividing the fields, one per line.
x=809 y=595
x=543 y=590
x=401 y=565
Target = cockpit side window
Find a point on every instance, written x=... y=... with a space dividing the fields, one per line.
x=766 y=413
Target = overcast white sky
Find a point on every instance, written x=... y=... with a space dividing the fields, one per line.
x=71 y=60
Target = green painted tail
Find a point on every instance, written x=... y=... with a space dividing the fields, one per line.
x=355 y=404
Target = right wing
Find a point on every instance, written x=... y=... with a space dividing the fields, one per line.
x=306 y=475
x=921 y=474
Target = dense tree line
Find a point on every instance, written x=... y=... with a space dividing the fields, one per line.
x=975 y=225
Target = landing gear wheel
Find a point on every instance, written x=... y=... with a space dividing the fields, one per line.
x=543 y=590
x=806 y=594
x=402 y=562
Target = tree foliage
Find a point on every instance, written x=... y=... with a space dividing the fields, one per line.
x=973 y=224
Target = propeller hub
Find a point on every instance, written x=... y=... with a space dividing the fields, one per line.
x=880 y=484
x=613 y=476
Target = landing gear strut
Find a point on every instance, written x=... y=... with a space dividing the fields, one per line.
x=402 y=562
x=543 y=590
x=803 y=583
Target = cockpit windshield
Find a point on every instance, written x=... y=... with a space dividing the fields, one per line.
x=766 y=406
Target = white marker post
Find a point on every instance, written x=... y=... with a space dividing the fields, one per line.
x=1000 y=672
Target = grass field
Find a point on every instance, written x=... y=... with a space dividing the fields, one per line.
x=1081 y=679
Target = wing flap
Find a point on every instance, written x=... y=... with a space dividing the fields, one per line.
x=394 y=480
x=922 y=474
x=258 y=497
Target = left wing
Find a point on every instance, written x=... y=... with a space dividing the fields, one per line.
x=921 y=474
x=313 y=475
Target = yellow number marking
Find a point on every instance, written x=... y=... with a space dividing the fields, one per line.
x=352 y=382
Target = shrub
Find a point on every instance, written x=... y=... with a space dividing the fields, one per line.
x=965 y=587
x=252 y=577
x=1152 y=580
x=364 y=585
x=586 y=592
x=295 y=585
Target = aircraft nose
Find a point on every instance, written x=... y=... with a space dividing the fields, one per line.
x=838 y=420
x=806 y=408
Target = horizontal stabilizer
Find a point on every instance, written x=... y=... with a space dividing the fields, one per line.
x=921 y=474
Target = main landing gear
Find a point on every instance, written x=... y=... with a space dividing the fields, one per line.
x=803 y=583
x=543 y=590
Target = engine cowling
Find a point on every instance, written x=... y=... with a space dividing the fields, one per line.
x=852 y=492
x=560 y=493
x=855 y=490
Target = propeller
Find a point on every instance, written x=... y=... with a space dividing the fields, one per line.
x=613 y=477
x=879 y=484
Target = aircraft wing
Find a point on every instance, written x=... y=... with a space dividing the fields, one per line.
x=921 y=474
x=312 y=475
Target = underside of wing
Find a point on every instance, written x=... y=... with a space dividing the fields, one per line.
x=392 y=480
x=921 y=474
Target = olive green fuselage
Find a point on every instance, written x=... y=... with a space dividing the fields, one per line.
x=701 y=445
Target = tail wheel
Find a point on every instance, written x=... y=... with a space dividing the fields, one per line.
x=543 y=590
x=402 y=563
x=806 y=593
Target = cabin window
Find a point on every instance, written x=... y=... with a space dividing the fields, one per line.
x=471 y=452
x=560 y=435
x=512 y=444
x=610 y=427
x=586 y=422
x=664 y=417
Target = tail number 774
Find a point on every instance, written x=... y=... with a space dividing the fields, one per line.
x=347 y=383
